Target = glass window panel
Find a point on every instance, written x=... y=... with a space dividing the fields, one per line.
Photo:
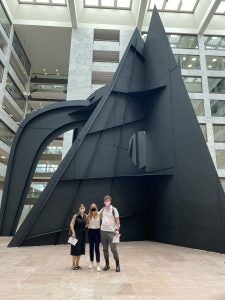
x=124 y=3
x=214 y=42
x=221 y=7
x=21 y=53
x=190 y=62
x=188 y=5
x=6 y=134
x=42 y=1
x=217 y=108
x=198 y=105
x=222 y=180
x=177 y=58
x=172 y=4
x=193 y=84
x=215 y=62
x=204 y=131
x=15 y=93
x=183 y=41
x=158 y=3
x=26 y=1
x=216 y=85
x=219 y=133
x=90 y=2
x=62 y=2
x=220 y=159
x=4 y=20
x=109 y=3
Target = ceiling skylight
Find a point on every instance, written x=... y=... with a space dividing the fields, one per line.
x=43 y=2
x=221 y=8
x=174 y=5
x=116 y=4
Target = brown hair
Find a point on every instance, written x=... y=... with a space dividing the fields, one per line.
x=107 y=197
x=81 y=205
x=92 y=214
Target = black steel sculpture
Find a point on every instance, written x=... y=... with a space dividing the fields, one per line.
x=137 y=139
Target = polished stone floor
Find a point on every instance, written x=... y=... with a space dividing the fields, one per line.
x=149 y=271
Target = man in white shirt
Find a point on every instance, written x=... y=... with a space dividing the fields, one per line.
x=110 y=226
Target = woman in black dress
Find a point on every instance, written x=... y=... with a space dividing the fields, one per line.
x=77 y=227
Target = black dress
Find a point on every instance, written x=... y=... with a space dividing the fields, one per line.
x=79 y=228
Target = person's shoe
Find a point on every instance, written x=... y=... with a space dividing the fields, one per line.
x=79 y=268
x=98 y=269
x=106 y=267
x=91 y=265
x=117 y=266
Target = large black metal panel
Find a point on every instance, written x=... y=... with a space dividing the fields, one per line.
x=145 y=119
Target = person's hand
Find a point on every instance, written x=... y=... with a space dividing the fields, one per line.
x=117 y=232
x=73 y=235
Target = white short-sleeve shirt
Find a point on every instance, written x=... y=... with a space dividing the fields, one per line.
x=108 y=219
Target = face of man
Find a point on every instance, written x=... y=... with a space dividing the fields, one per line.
x=107 y=203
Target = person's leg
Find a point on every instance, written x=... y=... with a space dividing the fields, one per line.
x=73 y=262
x=97 y=251
x=91 y=246
x=77 y=262
x=115 y=253
x=105 y=245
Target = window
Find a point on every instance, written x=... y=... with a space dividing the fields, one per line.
x=106 y=35
x=190 y=62
x=216 y=85
x=15 y=93
x=21 y=53
x=6 y=134
x=204 y=131
x=198 y=105
x=182 y=41
x=4 y=19
x=214 y=42
x=222 y=180
x=116 y=4
x=44 y=2
x=215 y=62
x=102 y=77
x=219 y=133
x=106 y=56
x=220 y=159
x=221 y=8
x=217 y=108
x=193 y=84
x=174 y=5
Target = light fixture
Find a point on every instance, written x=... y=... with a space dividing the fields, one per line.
x=3 y=106
x=11 y=115
x=44 y=70
x=189 y=66
x=209 y=66
x=57 y=74
x=56 y=70
x=3 y=156
x=46 y=73
x=194 y=59
x=184 y=57
x=214 y=59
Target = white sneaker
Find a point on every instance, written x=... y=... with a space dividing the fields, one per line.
x=98 y=268
x=91 y=266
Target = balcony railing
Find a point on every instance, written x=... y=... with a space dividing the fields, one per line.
x=21 y=53
x=54 y=88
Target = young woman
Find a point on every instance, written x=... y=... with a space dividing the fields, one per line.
x=77 y=227
x=94 y=235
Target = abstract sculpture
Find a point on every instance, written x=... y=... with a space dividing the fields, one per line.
x=136 y=139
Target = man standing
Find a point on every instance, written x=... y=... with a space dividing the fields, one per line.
x=110 y=226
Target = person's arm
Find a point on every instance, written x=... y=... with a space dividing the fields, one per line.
x=72 y=226
x=117 y=220
x=100 y=214
x=87 y=221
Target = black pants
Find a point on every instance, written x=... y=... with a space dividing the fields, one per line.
x=94 y=241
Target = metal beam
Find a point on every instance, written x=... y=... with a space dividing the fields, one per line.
x=141 y=13
x=73 y=12
x=208 y=16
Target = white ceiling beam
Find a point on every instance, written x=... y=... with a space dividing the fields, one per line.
x=208 y=16
x=141 y=13
x=73 y=12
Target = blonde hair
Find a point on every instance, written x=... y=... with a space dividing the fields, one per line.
x=93 y=214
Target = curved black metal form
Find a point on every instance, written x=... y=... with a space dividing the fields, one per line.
x=167 y=192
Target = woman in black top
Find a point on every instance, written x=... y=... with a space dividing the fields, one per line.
x=77 y=227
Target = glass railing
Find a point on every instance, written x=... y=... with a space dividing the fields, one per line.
x=1 y=71
x=51 y=88
x=4 y=20
x=41 y=76
x=6 y=134
x=46 y=169
x=16 y=94
x=53 y=150
x=21 y=53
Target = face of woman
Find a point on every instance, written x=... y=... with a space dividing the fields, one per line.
x=82 y=210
